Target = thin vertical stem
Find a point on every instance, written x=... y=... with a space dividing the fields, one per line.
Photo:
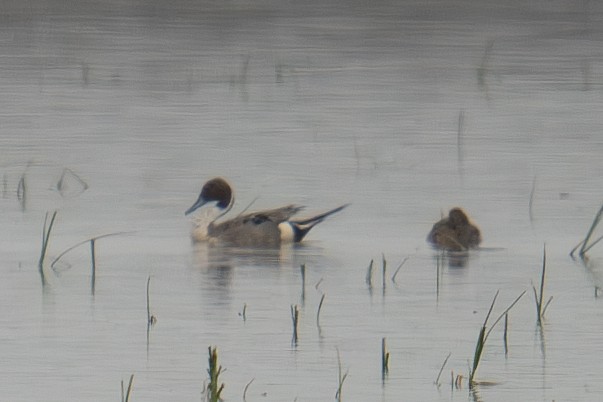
x=541 y=296
x=46 y=230
x=322 y=299
x=531 y=202
x=384 y=359
x=384 y=268
x=148 y=300
x=505 y=334
x=125 y=394
x=46 y=236
x=214 y=389
x=303 y=277
x=341 y=378
x=437 y=381
x=21 y=192
x=93 y=258
x=295 y=319
x=369 y=275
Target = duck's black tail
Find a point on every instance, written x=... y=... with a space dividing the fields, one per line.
x=301 y=227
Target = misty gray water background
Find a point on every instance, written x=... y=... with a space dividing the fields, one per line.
x=115 y=113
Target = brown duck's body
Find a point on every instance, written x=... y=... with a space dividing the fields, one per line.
x=455 y=232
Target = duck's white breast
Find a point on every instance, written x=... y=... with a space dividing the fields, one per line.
x=286 y=231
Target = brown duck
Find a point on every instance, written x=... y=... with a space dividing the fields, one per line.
x=455 y=232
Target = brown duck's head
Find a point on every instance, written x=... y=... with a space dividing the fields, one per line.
x=457 y=217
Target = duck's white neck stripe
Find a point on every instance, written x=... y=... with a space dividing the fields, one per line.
x=201 y=221
x=287 y=233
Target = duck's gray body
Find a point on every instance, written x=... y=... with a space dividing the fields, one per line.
x=258 y=229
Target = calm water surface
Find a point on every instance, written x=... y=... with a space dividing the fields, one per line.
x=404 y=109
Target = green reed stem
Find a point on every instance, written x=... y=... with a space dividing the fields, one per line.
x=594 y=243
x=46 y=230
x=369 y=275
x=244 y=312
x=585 y=245
x=214 y=388
x=531 y=202
x=295 y=319
x=384 y=359
x=484 y=334
x=125 y=395
x=21 y=192
x=437 y=381
x=245 y=390
x=398 y=269
x=322 y=299
x=151 y=319
x=539 y=296
x=92 y=239
x=505 y=334
x=93 y=259
x=303 y=277
x=341 y=378
x=384 y=269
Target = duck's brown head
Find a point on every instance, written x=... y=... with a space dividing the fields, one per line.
x=215 y=190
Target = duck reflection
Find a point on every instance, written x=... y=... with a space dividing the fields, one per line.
x=224 y=274
x=209 y=256
x=219 y=262
x=452 y=259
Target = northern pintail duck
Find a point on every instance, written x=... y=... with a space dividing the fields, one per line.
x=268 y=228
x=455 y=232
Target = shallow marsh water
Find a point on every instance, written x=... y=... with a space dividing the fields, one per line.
x=404 y=109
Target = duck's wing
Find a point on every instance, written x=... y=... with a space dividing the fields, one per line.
x=444 y=236
x=277 y=215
